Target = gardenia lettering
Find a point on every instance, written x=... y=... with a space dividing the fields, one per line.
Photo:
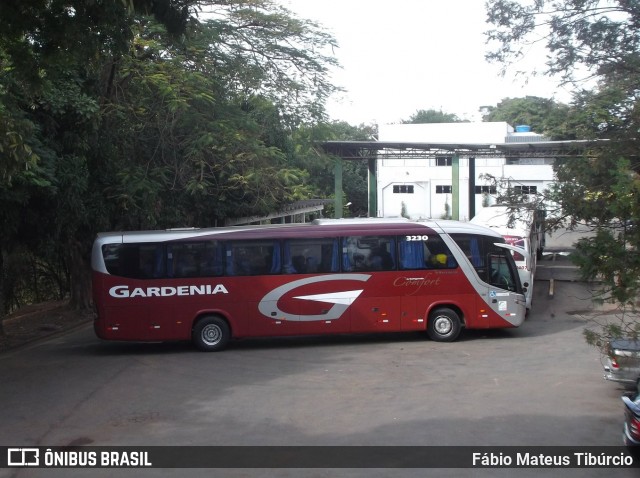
x=123 y=291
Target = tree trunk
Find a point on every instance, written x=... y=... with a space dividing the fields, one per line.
x=80 y=276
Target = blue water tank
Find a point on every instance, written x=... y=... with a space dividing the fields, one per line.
x=523 y=128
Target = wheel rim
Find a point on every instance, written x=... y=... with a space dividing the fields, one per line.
x=443 y=325
x=211 y=334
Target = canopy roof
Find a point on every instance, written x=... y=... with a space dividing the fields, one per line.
x=394 y=149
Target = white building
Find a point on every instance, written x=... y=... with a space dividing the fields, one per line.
x=422 y=187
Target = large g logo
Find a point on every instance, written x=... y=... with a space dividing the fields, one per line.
x=341 y=301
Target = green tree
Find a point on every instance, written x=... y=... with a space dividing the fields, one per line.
x=48 y=51
x=432 y=116
x=545 y=116
x=583 y=38
x=116 y=119
x=320 y=166
x=217 y=124
x=596 y=45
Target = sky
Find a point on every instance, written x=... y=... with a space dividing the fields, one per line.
x=401 y=56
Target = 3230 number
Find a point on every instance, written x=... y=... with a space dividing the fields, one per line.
x=417 y=238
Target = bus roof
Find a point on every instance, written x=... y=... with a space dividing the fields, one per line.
x=507 y=220
x=317 y=228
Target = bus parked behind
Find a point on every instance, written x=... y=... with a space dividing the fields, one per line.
x=521 y=226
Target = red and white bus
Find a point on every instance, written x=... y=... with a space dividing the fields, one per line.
x=325 y=277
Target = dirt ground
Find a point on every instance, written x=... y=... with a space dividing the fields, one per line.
x=37 y=321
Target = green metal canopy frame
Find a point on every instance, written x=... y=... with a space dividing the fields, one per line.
x=371 y=151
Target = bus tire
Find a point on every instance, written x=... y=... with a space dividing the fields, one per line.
x=211 y=334
x=444 y=325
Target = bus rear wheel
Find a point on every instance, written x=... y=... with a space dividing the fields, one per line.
x=444 y=325
x=211 y=334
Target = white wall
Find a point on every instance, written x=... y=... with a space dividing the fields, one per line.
x=425 y=176
x=493 y=132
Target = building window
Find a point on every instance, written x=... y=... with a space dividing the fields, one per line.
x=486 y=190
x=526 y=189
x=443 y=189
x=403 y=188
x=444 y=161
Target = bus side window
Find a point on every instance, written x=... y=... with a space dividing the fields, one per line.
x=129 y=259
x=308 y=256
x=412 y=254
x=475 y=248
x=245 y=261
x=299 y=264
x=230 y=269
x=368 y=253
x=380 y=259
x=330 y=256
x=143 y=261
x=273 y=260
x=439 y=256
x=195 y=259
x=212 y=263
x=250 y=258
x=431 y=253
x=135 y=261
x=185 y=265
x=152 y=261
x=184 y=259
x=111 y=257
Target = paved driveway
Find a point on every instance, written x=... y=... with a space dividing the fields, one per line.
x=539 y=384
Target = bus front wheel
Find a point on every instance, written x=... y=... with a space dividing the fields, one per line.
x=444 y=325
x=211 y=334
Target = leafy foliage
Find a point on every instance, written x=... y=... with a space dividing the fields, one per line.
x=139 y=114
x=582 y=37
x=545 y=116
x=320 y=167
x=596 y=45
x=432 y=116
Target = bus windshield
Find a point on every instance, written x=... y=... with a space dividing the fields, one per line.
x=493 y=264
